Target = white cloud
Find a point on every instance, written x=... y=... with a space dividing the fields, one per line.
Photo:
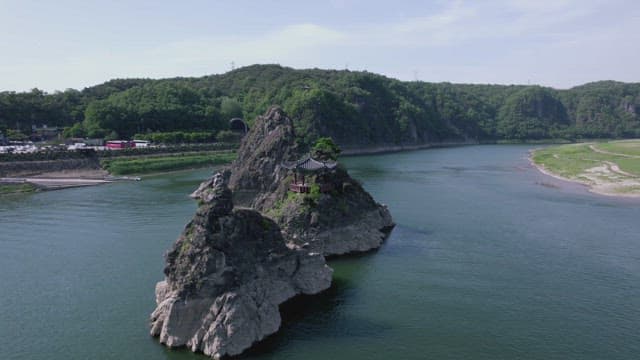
x=541 y=5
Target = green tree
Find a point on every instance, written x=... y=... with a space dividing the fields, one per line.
x=112 y=136
x=75 y=131
x=353 y=108
x=230 y=108
x=532 y=113
x=325 y=149
x=16 y=135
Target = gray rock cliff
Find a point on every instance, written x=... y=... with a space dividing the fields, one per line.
x=232 y=267
x=344 y=220
x=227 y=274
x=257 y=177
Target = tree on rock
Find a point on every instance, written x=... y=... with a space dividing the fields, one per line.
x=325 y=149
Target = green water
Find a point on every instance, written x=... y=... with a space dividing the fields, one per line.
x=490 y=260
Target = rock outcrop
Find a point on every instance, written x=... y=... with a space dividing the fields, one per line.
x=345 y=220
x=257 y=177
x=232 y=267
x=227 y=274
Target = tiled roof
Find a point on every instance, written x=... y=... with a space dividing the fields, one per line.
x=309 y=164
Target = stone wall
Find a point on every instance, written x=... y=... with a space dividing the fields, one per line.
x=31 y=168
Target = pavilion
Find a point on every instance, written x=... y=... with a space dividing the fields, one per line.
x=304 y=166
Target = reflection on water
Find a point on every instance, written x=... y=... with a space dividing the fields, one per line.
x=485 y=263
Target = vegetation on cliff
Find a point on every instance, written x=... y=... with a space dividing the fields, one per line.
x=354 y=108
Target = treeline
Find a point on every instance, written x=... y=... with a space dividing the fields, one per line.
x=354 y=108
x=177 y=137
x=121 y=109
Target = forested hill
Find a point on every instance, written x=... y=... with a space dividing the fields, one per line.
x=358 y=109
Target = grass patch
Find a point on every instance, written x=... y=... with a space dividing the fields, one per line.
x=568 y=160
x=6 y=189
x=573 y=161
x=314 y=194
x=140 y=165
x=277 y=209
x=626 y=147
x=629 y=165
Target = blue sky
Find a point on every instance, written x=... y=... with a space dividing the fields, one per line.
x=54 y=45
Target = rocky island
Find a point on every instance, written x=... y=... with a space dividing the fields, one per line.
x=233 y=266
x=226 y=276
x=343 y=220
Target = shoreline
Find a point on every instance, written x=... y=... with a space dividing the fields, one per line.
x=59 y=180
x=390 y=149
x=166 y=172
x=592 y=188
x=57 y=183
x=376 y=150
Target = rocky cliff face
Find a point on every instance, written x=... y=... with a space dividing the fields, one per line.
x=226 y=276
x=257 y=177
x=345 y=220
x=342 y=221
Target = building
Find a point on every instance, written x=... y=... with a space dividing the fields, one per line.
x=141 y=143
x=309 y=165
x=45 y=132
x=94 y=142
x=120 y=144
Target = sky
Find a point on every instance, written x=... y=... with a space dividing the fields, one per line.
x=55 y=45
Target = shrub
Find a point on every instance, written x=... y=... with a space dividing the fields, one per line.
x=325 y=149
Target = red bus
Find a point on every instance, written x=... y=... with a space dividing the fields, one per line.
x=120 y=144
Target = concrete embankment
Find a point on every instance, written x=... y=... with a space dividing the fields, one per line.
x=32 y=168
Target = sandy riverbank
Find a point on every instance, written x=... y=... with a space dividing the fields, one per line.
x=96 y=174
x=607 y=179
x=53 y=180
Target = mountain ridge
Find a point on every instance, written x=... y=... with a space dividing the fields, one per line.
x=358 y=109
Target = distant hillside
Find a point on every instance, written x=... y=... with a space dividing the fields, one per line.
x=357 y=109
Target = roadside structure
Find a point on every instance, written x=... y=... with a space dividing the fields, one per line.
x=238 y=125
x=141 y=143
x=44 y=133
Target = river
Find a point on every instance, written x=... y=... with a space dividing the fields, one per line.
x=490 y=260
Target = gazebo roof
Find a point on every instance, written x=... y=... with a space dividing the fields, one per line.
x=309 y=164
